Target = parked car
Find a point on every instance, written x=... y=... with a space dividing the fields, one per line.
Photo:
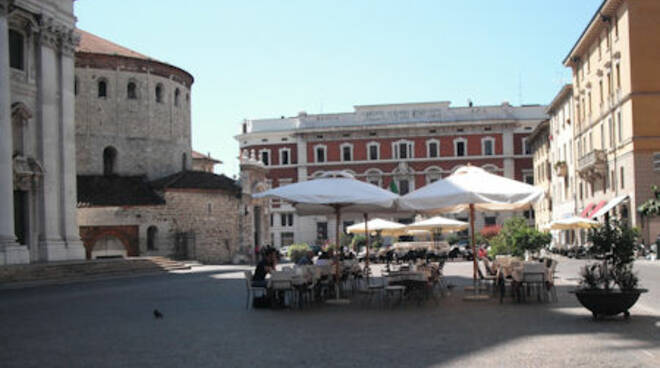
x=461 y=249
x=362 y=255
x=284 y=251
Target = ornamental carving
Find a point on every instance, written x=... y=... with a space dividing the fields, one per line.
x=27 y=173
x=57 y=36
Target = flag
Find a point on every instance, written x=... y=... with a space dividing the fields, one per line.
x=393 y=187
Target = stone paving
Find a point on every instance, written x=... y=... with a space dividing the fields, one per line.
x=110 y=324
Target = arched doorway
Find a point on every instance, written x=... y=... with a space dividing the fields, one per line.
x=108 y=246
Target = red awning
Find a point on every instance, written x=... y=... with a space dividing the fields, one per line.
x=601 y=204
x=586 y=210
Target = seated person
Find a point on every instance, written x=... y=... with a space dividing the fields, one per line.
x=306 y=259
x=264 y=267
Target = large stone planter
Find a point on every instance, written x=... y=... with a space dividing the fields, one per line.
x=608 y=303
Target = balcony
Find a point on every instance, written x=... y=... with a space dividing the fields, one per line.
x=593 y=165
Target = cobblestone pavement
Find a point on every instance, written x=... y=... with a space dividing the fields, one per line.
x=110 y=324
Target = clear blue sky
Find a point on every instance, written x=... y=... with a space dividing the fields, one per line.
x=261 y=59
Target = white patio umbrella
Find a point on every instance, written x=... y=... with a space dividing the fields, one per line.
x=377 y=224
x=471 y=187
x=335 y=192
x=573 y=223
x=438 y=223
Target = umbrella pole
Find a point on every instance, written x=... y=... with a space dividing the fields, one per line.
x=474 y=250
x=366 y=232
x=337 y=300
x=476 y=295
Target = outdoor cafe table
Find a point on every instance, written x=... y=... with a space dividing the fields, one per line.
x=416 y=282
x=515 y=271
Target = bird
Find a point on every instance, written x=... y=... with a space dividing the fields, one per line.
x=157 y=314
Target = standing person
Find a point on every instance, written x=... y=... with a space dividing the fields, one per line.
x=256 y=253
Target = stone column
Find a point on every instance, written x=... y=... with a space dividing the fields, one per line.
x=7 y=236
x=302 y=159
x=75 y=249
x=52 y=247
x=507 y=145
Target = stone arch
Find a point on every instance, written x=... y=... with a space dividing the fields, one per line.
x=102 y=88
x=127 y=235
x=131 y=89
x=160 y=91
x=152 y=235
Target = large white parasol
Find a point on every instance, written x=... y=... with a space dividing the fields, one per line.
x=438 y=223
x=471 y=187
x=377 y=224
x=335 y=192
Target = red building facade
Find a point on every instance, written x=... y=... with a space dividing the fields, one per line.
x=409 y=145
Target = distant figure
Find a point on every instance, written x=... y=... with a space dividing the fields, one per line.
x=264 y=267
x=157 y=314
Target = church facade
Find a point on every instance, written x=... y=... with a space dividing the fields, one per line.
x=38 y=220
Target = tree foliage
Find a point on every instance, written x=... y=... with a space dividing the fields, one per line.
x=516 y=237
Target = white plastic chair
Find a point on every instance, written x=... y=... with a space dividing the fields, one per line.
x=252 y=290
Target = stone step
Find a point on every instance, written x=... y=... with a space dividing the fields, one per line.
x=91 y=268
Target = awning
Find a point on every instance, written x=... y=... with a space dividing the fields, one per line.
x=586 y=210
x=600 y=205
x=611 y=204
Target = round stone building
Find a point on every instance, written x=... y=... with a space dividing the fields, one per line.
x=132 y=112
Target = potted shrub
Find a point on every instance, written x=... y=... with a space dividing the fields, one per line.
x=610 y=287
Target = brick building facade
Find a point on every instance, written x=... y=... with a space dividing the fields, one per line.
x=401 y=145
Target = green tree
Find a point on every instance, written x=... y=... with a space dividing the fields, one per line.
x=516 y=237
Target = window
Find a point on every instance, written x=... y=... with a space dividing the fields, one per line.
x=656 y=161
x=433 y=174
x=347 y=152
x=75 y=86
x=184 y=161
x=109 y=160
x=176 y=97
x=602 y=136
x=321 y=231
x=320 y=153
x=285 y=158
x=102 y=88
x=286 y=219
x=152 y=234
x=618 y=76
x=374 y=150
x=265 y=156
x=159 y=93
x=526 y=148
x=460 y=147
x=528 y=178
x=432 y=148
x=16 y=50
x=611 y=132
x=131 y=91
x=404 y=186
x=589 y=101
x=403 y=150
x=286 y=239
x=609 y=84
x=600 y=90
x=620 y=126
x=487 y=146
x=374 y=176
x=490 y=220
x=272 y=219
x=621 y=177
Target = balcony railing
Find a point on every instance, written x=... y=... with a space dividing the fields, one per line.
x=593 y=165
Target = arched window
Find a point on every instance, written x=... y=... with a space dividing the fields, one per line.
x=460 y=147
x=16 y=50
x=131 y=91
x=184 y=161
x=109 y=160
x=176 y=97
x=159 y=93
x=152 y=234
x=103 y=88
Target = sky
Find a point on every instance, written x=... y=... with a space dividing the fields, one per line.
x=264 y=59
